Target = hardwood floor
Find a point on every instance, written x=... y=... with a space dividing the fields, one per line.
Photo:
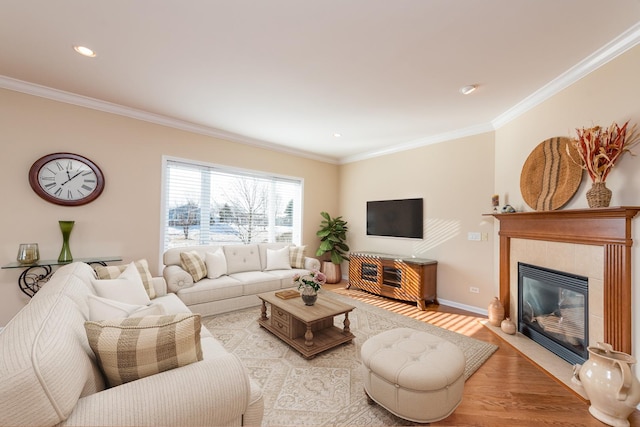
x=508 y=389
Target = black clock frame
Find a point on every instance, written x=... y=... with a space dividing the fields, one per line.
x=35 y=184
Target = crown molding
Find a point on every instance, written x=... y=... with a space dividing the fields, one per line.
x=108 y=107
x=421 y=142
x=611 y=50
x=608 y=52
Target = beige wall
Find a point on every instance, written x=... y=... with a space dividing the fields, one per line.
x=456 y=181
x=125 y=219
x=611 y=93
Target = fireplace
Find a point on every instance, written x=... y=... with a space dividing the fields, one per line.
x=606 y=228
x=553 y=310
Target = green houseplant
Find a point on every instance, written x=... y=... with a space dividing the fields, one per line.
x=332 y=234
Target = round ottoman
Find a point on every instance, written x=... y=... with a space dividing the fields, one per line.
x=414 y=375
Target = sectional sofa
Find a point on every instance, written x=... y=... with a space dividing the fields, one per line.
x=67 y=358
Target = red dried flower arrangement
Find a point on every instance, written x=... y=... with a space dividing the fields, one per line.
x=600 y=148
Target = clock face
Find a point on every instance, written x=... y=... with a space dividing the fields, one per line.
x=66 y=179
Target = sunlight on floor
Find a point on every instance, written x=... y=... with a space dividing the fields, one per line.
x=463 y=324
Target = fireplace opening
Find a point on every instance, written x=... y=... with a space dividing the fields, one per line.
x=553 y=310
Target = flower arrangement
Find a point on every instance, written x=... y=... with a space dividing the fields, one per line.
x=314 y=279
x=600 y=148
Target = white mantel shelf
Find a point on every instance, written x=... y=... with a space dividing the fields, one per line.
x=606 y=227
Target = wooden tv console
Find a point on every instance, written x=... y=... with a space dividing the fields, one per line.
x=393 y=276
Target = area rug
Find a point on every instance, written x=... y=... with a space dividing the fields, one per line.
x=326 y=390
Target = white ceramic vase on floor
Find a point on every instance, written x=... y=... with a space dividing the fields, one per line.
x=610 y=385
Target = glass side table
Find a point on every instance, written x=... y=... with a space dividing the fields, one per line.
x=37 y=274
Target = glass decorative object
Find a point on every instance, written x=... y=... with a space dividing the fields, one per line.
x=309 y=295
x=28 y=253
x=65 y=252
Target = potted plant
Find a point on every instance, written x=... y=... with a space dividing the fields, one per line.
x=333 y=234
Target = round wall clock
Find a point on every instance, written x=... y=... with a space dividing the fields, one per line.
x=66 y=179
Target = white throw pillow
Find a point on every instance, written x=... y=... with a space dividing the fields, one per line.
x=149 y=310
x=127 y=288
x=216 y=264
x=278 y=259
x=114 y=271
x=104 y=309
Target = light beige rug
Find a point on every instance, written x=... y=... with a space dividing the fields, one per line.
x=326 y=390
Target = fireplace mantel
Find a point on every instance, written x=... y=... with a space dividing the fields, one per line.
x=606 y=227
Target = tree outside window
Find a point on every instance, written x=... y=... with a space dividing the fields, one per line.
x=241 y=206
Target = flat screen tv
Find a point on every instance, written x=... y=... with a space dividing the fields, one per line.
x=395 y=218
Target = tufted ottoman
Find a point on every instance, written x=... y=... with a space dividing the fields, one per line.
x=414 y=375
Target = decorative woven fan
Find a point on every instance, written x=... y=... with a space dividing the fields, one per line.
x=549 y=177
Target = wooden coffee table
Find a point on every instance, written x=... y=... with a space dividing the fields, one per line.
x=308 y=329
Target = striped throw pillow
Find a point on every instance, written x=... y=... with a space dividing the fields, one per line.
x=296 y=256
x=193 y=264
x=113 y=271
x=133 y=348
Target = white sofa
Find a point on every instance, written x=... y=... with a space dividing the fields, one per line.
x=249 y=271
x=49 y=374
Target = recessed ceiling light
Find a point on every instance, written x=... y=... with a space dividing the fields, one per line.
x=466 y=90
x=82 y=50
x=337 y=135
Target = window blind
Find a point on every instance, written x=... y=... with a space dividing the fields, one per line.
x=212 y=204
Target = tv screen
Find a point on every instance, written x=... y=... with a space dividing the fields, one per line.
x=395 y=218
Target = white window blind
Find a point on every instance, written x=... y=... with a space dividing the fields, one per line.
x=211 y=204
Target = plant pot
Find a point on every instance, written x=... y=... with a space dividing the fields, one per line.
x=598 y=196
x=332 y=271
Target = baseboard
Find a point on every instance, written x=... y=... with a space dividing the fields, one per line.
x=470 y=308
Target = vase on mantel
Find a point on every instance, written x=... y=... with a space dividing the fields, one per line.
x=598 y=196
x=65 y=252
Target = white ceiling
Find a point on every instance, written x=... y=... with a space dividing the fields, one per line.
x=290 y=73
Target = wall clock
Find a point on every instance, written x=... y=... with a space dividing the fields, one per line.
x=66 y=179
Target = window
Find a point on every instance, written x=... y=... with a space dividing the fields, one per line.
x=208 y=204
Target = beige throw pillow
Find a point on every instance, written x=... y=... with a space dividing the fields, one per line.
x=133 y=348
x=193 y=264
x=296 y=256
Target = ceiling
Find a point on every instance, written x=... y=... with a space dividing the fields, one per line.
x=289 y=74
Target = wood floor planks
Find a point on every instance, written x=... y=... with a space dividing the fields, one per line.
x=508 y=389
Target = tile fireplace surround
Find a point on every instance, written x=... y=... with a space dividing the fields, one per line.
x=595 y=243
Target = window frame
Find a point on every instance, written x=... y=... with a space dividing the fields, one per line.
x=297 y=228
